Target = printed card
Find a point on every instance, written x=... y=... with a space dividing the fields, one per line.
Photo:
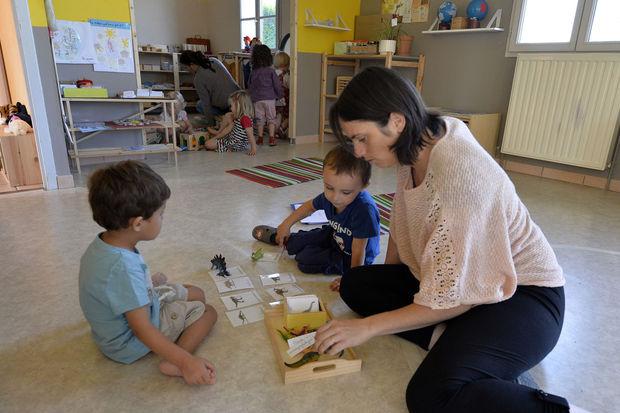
x=234 y=284
x=234 y=272
x=277 y=279
x=240 y=300
x=280 y=291
x=247 y=315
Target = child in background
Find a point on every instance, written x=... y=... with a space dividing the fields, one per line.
x=281 y=64
x=247 y=63
x=236 y=132
x=130 y=313
x=180 y=115
x=352 y=237
x=264 y=88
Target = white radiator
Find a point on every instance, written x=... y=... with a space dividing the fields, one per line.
x=564 y=108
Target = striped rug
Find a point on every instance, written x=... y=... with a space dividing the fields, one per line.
x=384 y=203
x=276 y=175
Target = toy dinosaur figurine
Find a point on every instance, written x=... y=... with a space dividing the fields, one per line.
x=257 y=255
x=219 y=263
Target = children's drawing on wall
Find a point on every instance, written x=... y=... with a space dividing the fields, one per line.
x=410 y=10
x=72 y=42
x=113 y=46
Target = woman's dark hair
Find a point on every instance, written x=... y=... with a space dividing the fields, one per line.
x=189 y=57
x=375 y=93
x=125 y=190
x=261 y=56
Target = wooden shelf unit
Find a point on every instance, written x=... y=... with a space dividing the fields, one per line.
x=176 y=73
x=354 y=61
x=168 y=125
x=484 y=126
x=20 y=160
x=237 y=58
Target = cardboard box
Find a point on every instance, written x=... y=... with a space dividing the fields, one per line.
x=341 y=47
x=86 y=92
x=364 y=49
x=458 y=23
x=313 y=320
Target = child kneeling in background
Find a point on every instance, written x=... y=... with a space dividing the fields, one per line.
x=351 y=238
x=236 y=132
x=130 y=313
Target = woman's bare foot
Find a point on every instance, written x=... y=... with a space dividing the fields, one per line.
x=169 y=369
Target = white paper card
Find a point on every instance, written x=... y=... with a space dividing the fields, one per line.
x=240 y=300
x=303 y=304
x=318 y=217
x=234 y=284
x=234 y=272
x=277 y=278
x=298 y=344
x=245 y=315
x=280 y=291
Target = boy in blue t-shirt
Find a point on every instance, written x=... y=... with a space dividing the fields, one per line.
x=352 y=237
x=131 y=313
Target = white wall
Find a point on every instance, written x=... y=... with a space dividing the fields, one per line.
x=224 y=25
x=171 y=22
x=11 y=55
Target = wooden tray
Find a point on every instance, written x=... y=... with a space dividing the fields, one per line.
x=325 y=366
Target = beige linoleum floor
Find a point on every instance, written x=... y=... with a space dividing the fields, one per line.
x=48 y=362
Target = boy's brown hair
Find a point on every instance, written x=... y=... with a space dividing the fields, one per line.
x=125 y=190
x=343 y=161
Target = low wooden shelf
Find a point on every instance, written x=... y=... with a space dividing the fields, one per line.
x=168 y=125
x=354 y=61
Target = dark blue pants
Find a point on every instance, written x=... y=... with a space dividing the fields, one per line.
x=473 y=367
x=316 y=251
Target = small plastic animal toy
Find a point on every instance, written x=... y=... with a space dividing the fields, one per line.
x=219 y=263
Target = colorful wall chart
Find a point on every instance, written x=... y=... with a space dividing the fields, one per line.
x=113 y=46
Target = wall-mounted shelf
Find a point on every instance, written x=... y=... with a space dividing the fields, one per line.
x=339 y=24
x=491 y=27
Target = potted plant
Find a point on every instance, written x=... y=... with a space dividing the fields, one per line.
x=388 y=36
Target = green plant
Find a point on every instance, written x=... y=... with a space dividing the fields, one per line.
x=390 y=32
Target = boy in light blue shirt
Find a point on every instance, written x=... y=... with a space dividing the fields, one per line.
x=130 y=312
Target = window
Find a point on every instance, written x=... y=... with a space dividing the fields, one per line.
x=258 y=19
x=564 y=25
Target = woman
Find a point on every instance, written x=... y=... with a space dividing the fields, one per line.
x=468 y=274
x=212 y=81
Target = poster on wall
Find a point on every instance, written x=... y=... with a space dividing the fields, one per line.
x=73 y=42
x=399 y=7
x=113 y=46
x=419 y=11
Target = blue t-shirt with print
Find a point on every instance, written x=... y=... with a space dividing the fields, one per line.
x=113 y=281
x=360 y=219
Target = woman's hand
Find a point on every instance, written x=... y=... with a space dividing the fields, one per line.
x=337 y=335
x=282 y=234
x=252 y=150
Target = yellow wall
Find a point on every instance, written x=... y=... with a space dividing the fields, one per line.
x=81 y=10
x=316 y=40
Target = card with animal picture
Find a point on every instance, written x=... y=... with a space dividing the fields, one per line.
x=240 y=300
x=280 y=291
x=277 y=278
x=246 y=315
x=232 y=272
x=234 y=284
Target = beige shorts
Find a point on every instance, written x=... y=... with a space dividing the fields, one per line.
x=176 y=314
